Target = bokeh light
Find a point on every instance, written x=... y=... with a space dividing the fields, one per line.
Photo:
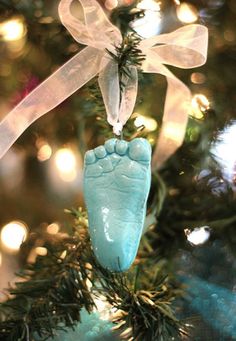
x=13 y=235
x=199 y=104
x=173 y=131
x=150 y=24
x=13 y=29
x=187 y=13
x=53 y=228
x=149 y=122
x=198 y=236
x=44 y=152
x=198 y=78
x=41 y=251
x=111 y=4
x=65 y=162
x=224 y=152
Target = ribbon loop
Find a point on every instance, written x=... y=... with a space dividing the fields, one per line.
x=186 y=48
x=49 y=94
x=97 y=31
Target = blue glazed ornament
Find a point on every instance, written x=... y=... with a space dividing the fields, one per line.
x=91 y=328
x=117 y=178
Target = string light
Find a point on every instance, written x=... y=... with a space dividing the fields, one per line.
x=13 y=29
x=65 y=162
x=13 y=235
x=198 y=236
x=149 y=123
x=187 y=13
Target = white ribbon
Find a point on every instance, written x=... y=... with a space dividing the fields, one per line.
x=184 y=48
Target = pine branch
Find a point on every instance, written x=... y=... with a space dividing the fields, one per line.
x=55 y=289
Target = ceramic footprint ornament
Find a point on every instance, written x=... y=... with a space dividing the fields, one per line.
x=117 y=178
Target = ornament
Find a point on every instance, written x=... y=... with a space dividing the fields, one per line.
x=91 y=328
x=117 y=180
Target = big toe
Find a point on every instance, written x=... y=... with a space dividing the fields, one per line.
x=140 y=150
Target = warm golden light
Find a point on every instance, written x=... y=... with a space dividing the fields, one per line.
x=65 y=161
x=53 y=228
x=41 y=251
x=199 y=103
x=13 y=234
x=187 y=13
x=149 y=123
x=44 y=152
x=13 y=29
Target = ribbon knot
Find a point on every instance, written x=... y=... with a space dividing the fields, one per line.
x=184 y=48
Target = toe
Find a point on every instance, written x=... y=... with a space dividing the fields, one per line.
x=93 y=171
x=89 y=157
x=110 y=145
x=140 y=150
x=100 y=152
x=115 y=158
x=106 y=164
x=121 y=147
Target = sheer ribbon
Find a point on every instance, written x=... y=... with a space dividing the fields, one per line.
x=184 y=48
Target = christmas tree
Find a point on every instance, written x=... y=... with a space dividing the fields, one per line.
x=55 y=282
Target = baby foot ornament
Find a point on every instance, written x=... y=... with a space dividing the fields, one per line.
x=117 y=180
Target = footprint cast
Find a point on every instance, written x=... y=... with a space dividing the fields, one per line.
x=117 y=178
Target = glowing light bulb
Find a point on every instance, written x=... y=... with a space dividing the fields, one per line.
x=13 y=29
x=13 y=235
x=66 y=164
x=198 y=236
x=149 y=123
x=187 y=13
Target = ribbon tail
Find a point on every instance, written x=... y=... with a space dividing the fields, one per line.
x=49 y=94
x=175 y=116
x=175 y=121
x=109 y=84
x=129 y=94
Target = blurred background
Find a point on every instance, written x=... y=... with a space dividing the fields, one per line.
x=41 y=175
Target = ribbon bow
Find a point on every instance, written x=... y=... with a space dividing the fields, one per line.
x=185 y=48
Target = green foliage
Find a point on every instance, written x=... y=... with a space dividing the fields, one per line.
x=53 y=290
